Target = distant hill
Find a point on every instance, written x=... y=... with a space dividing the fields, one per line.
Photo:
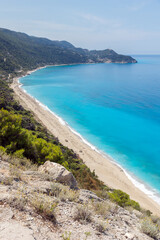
x=20 y=51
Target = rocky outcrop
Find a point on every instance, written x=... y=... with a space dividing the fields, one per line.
x=58 y=173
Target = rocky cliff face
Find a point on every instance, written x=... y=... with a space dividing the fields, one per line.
x=35 y=206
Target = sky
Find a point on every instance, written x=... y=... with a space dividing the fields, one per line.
x=127 y=26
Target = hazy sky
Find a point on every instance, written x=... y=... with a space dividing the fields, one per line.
x=127 y=26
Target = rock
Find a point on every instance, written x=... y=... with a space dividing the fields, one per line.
x=11 y=229
x=4 y=194
x=137 y=213
x=15 y=231
x=126 y=219
x=5 y=214
x=58 y=173
x=130 y=236
x=85 y=195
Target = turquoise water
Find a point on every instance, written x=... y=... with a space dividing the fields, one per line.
x=116 y=107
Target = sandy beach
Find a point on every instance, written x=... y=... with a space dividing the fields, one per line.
x=107 y=171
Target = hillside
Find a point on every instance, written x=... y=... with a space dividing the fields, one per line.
x=36 y=207
x=19 y=51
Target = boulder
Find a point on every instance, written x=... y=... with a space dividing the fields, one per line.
x=58 y=173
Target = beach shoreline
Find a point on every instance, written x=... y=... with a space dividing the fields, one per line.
x=106 y=169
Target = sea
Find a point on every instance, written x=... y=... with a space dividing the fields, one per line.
x=115 y=108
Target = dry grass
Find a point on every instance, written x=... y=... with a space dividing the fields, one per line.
x=83 y=213
x=44 y=206
x=150 y=228
x=6 y=181
x=15 y=172
x=18 y=203
x=21 y=163
x=101 y=208
x=101 y=226
x=64 y=193
x=130 y=209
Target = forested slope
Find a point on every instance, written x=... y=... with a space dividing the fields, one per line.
x=19 y=51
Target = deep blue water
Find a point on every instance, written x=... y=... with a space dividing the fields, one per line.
x=116 y=107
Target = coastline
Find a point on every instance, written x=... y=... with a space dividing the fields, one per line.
x=107 y=170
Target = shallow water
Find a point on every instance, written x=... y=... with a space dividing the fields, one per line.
x=116 y=107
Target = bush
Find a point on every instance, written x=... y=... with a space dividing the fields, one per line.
x=44 y=207
x=64 y=193
x=2 y=150
x=101 y=226
x=123 y=199
x=18 y=202
x=101 y=208
x=82 y=213
x=149 y=228
x=23 y=143
x=19 y=153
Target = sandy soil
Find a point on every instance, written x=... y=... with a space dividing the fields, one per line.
x=104 y=167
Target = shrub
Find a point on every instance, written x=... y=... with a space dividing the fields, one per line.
x=64 y=193
x=56 y=188
x=101 y=226
x=44 y=206
x=123 y=199
x=23 y=143
x=103 y=193
x=7 y=181
x=66 y=236
x=2 y=150
x=18 y=202
x=149 y=228
x=83 y=213
x=15 y=173
x=101 y=208
x=19 y=153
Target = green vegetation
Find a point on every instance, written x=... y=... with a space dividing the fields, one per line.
x=18 y=52
x=66 y=236
x=123 y=199
x=22 y=143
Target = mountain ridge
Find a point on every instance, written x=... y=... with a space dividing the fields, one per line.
x=21 y=51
